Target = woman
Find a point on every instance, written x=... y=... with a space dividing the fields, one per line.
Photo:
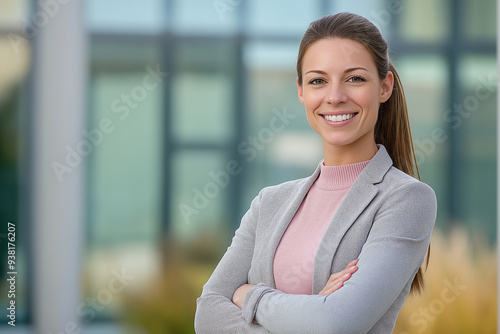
x=362 y=209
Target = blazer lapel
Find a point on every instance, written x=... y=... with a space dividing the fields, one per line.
x=283 y=218
x=356 y=200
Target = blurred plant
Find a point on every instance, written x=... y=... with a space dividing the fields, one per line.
x=462 y=289
x=168 y=304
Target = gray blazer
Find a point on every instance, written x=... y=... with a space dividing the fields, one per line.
x=385 y=220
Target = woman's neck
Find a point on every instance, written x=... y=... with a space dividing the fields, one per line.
x=360 y=150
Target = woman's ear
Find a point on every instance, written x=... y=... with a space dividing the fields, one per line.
x=386 y=87
x=300 y=91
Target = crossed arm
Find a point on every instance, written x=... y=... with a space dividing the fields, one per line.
x=335 y=282
x=390 y=257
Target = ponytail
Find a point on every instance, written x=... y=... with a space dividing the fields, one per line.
x=393 y=131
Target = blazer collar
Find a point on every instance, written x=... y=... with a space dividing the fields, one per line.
x=378 y=166
x=356 y=200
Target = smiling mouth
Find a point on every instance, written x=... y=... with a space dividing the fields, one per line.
x=339 y=118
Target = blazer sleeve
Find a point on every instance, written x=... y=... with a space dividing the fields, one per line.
x=215 y=311
x=393 y=252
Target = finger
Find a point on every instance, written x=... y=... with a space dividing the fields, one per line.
x=328 y=290
x=352 y=263
x=334 y=285
x=333 y=277
x=342 y=278
x=348 y=270
x=334 y=281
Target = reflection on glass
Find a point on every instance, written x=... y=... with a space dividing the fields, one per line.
x=206 y=17
x=424 y=76
x=377 y=11
x=425 y=20
x=145 y=16
x=278 y=17
x=203 y=107
x=272 y=77
x=480 y=19
x=13 y=14
x=200 y=192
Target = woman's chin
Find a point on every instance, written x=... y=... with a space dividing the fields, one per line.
x=337 y=142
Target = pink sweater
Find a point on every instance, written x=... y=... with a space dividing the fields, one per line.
x=294 y=258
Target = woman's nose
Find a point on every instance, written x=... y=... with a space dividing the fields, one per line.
x=336 y=95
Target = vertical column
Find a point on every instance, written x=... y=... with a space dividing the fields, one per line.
x=60 y=66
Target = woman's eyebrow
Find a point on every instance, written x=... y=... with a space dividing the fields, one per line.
x=350 y=69
x=316 y=71
x=355 y=68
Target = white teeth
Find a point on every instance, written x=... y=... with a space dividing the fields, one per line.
x=338 y=118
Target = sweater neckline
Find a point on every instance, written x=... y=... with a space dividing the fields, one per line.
x=339 y=177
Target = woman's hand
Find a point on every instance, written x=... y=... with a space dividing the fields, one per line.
x=240 y=294
x=336 y=281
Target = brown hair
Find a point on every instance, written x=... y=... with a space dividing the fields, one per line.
x=393 y=127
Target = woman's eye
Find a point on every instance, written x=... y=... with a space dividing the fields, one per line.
x=317 y=81
x=356 y=78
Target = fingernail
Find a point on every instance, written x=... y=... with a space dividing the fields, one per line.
x=346 y=275
x=339 y=283
x=351 y=268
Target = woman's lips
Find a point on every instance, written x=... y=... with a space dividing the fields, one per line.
x=338 y=120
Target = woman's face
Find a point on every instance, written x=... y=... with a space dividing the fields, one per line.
x=341 y=91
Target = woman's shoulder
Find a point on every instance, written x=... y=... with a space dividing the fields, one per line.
x=397 y=181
